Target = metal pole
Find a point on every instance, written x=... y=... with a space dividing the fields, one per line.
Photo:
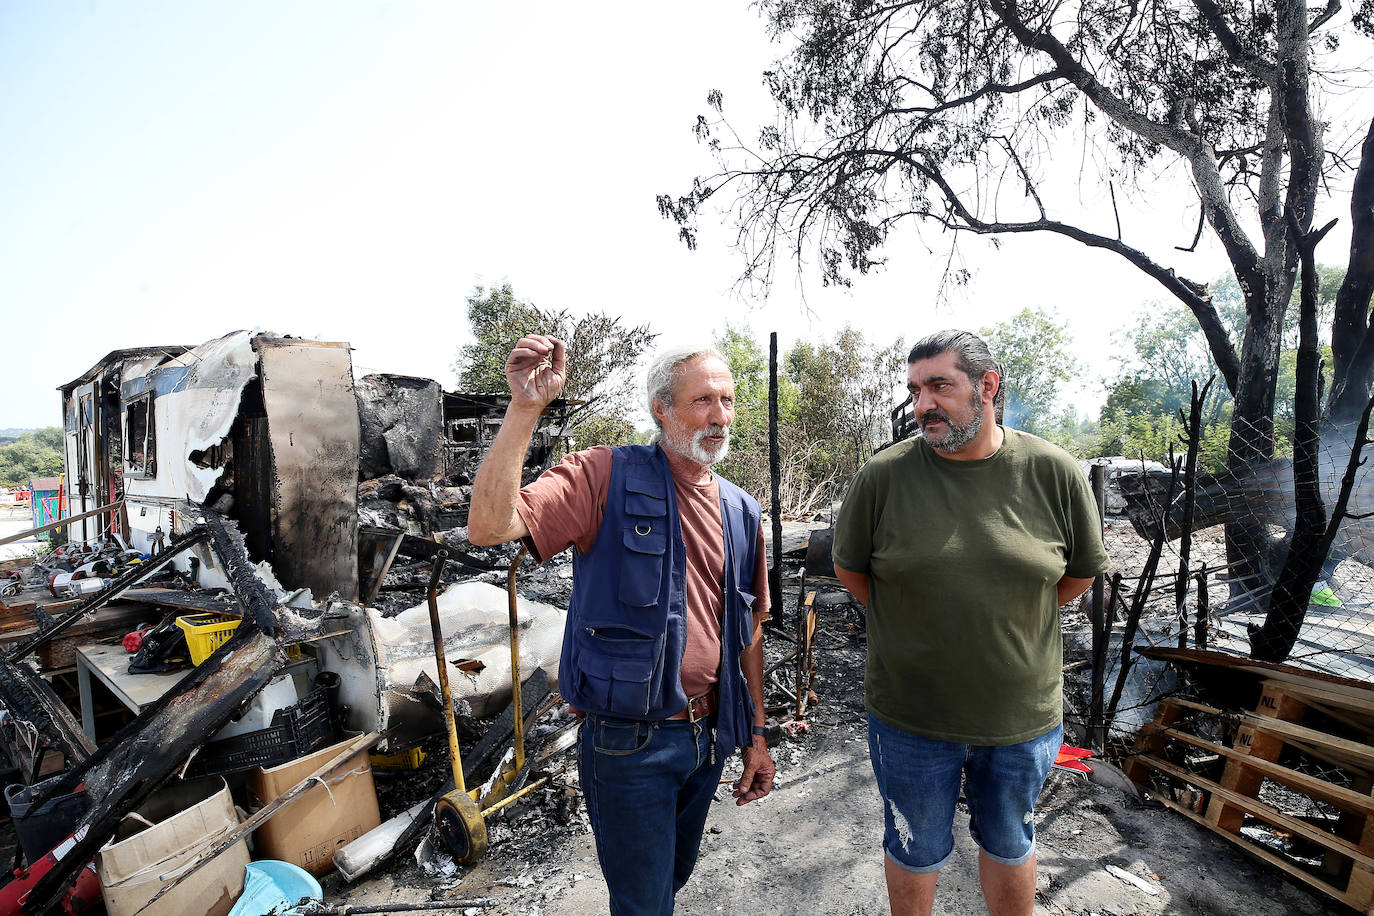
x=59 y=523
x=515 y=659
x=455 y=759
x=1097 y=476
x=774 y=475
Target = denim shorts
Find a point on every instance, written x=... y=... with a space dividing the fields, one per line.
x=919 y=779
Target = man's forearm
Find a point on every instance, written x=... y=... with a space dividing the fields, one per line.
x=751 y=662
x=856 y=583
x=1069 y=588
x=492 y=516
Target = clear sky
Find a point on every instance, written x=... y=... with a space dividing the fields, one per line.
x=170 y=171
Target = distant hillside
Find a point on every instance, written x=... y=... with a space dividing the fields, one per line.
x=9 y=435
x=33 y=454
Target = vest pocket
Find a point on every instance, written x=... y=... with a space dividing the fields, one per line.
x=745 y=620
x=641 y=563
x=617 y=666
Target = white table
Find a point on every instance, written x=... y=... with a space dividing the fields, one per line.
x=109 y=664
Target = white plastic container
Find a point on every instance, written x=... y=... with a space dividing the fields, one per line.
x=280 y=693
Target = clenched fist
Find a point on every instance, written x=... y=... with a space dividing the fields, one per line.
x=536 y=370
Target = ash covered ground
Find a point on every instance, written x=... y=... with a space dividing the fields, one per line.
x=813 y=844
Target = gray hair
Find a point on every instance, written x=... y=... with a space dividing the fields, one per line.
x=972 y=356
x=665 y=370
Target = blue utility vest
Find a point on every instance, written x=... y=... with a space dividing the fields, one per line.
x=627 y=621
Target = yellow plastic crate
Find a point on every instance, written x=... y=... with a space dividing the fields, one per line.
x=208 y=631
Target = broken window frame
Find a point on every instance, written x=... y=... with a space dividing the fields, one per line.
x=147 y=468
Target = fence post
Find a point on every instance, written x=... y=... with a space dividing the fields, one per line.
x=1097 y=733
x=774 y=476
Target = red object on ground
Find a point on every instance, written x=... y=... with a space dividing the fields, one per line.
x=134 y=641
x=1071 y=758
x=83 y=897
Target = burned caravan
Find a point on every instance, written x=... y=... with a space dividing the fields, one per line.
x=275 y=435
x=262 y=428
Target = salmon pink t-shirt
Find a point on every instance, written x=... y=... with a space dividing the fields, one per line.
x=564 y=507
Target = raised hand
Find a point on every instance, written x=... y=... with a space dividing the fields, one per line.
x=536 y=370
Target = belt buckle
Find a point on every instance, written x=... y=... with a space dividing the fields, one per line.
x=697 y=708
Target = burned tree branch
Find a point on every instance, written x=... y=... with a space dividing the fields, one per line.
x=1193 y=425
x=1142 y=595
x=1203 y=612
x=1352 y=342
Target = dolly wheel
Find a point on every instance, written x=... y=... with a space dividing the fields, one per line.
x=461 y=826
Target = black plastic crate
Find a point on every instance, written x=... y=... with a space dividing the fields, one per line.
x=294 y=732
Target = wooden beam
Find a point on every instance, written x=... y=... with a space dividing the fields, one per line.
x=1274 y=859
x=59 y=523
x=1339 y=698
x=1253 y=738
x=1340 y=747
x=1338 y=796
x=1266 y=813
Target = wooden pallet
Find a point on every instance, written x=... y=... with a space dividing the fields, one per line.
x=1263 y=742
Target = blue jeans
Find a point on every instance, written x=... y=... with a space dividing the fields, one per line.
x=919 y=779
x=648 y=787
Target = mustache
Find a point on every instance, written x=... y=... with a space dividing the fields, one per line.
x=935 y=415
x=713 y=430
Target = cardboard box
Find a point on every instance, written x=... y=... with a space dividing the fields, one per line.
x=186 y=819
x=313 y=827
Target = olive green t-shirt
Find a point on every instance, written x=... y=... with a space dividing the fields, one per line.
x=963 y=558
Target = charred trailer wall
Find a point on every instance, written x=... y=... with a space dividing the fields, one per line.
x=312 y=424
x=402 y=427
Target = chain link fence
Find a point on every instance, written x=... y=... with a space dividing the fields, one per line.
x=1229 y=553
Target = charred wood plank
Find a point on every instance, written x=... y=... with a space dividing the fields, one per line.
x=132 y=577
x=148 y=751
x=259 y=605
x=30 y=700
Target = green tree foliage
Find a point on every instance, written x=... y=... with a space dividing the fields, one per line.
x=1160 y=357
x=603 y=356
x=1032 y=347
x=834 y=399
x=747 y=463
x=953 y=112
x=957 y=113
x=35 y=454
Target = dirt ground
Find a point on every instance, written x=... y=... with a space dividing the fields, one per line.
x=813 y=845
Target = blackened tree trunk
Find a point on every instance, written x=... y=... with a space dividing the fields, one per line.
x=1352 y=340
x=1307 y=549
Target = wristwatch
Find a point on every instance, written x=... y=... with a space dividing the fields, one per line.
x=757 y=730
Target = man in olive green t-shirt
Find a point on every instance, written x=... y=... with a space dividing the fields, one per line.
x=963 y=544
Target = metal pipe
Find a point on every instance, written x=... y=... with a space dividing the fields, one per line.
x=1097 y=477
x=800 y=710
x=59 y=523
x=497 y=806
x=126 y=580
x=455 y=760
x=515 y=659
x=774 y=474
x=323 y=909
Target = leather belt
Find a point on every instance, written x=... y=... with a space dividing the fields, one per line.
x=698 y=707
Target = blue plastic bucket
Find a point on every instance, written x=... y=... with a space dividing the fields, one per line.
x=274 y=886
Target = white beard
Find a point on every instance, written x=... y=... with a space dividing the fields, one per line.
x=696 y=449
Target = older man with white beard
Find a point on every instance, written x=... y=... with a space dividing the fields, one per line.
x=663 y=649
